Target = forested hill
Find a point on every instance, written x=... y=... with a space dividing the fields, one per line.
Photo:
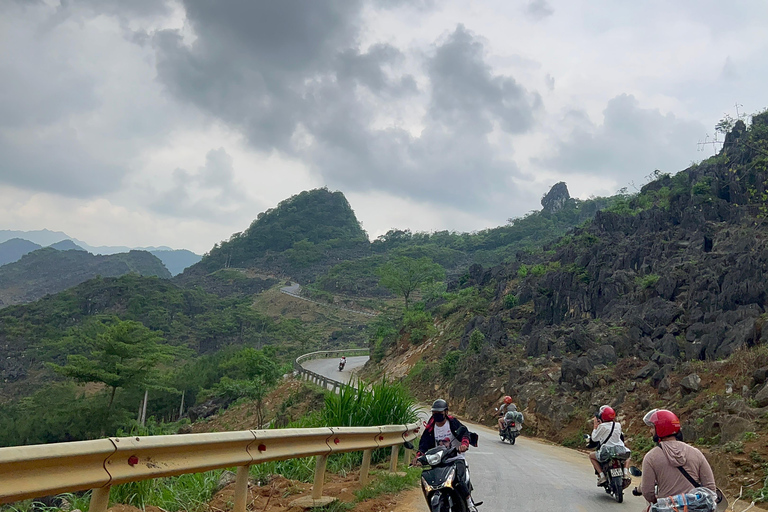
x=302 y=231
x=46 y=271
x=314 y=237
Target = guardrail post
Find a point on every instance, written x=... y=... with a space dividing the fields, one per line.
x=241 y=489
x=364 y=470
x=393 y=459
x=317 y=488
x=99 y=499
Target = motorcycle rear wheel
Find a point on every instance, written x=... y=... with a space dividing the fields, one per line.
x=617 y=483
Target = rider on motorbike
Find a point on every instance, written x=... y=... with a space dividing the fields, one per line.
x=342 y=362
x=606 y=433
x=442 y=428
x=669 y=467
x=502 y=410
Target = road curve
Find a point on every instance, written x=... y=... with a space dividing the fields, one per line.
x=530 y=476
x=330 y=367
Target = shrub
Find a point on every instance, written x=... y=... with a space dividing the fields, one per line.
x=510 y=301
x=449 y=364
x=476 y=341
x=418 y=323
x=647 y=281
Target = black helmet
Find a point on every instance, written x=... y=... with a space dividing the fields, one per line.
x=439 y=405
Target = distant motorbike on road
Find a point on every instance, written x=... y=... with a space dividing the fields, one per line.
x=438 y=483
x=509 y=433
x=342 y=364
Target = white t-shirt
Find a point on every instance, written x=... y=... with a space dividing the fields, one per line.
x=444 y=432
x=600 y=434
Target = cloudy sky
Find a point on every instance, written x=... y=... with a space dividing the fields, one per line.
x=151 y=122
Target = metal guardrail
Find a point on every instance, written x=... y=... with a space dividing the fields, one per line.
x=322 y=380
x=41 y=470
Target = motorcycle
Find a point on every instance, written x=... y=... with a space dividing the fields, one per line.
x=509 y=433
x=438 y=483
x=342 y=364
x=613 y=469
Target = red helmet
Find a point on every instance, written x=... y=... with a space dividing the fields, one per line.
x=507 y=399
x=665 y=422
x=607 y=413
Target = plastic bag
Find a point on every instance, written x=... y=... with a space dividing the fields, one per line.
x=613 y=452
x=699 y=499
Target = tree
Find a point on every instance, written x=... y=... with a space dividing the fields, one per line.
x=126 y=355
x=404 y=275
x=253 y=372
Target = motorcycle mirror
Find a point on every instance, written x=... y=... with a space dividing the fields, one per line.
x=408 y=445
x=634 y=471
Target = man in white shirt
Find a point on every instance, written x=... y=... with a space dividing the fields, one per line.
x=606 y=432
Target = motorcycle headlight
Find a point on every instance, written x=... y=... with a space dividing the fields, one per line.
x=433 y=459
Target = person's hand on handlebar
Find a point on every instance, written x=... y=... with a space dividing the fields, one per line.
x=415 y=462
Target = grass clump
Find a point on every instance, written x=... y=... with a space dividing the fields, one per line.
x=389 y=483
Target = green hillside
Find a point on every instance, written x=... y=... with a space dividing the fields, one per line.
x=46 y=271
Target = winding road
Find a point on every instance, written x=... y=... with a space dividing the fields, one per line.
x=530 y=476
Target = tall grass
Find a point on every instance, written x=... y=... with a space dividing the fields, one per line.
x=190 y=493
x=382 y=403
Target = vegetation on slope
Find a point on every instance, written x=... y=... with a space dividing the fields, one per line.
x=663 y=288
x=46 y=271
x=301 y=231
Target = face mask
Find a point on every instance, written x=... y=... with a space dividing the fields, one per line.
x=439 y=416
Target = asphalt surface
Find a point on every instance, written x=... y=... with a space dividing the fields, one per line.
x=330 y=367
x=529 y=476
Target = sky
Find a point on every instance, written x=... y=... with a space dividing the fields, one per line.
x=175 y=122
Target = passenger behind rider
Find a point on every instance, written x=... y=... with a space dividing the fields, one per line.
x=503 y=409
x=513 y=416
x=606 y=432
x=661 y=466
x=444 y=429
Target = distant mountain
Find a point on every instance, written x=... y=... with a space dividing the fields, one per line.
x=177 y=260
x=13 y=249
x=42 y=237
x=48 y=270
x=66 y=245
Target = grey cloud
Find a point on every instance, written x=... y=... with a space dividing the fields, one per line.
x=367 y=69
x=630 y=143
x=538 y=10
x=68 y=124
x=275 y=69
x=464 y=89
x=56 y=162
x=451 y=161
x=217 y=175
x=251 y=61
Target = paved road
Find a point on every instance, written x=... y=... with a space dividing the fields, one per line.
x=330 y=367
x=529 y=476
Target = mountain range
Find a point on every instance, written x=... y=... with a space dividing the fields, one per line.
x=14 y=244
